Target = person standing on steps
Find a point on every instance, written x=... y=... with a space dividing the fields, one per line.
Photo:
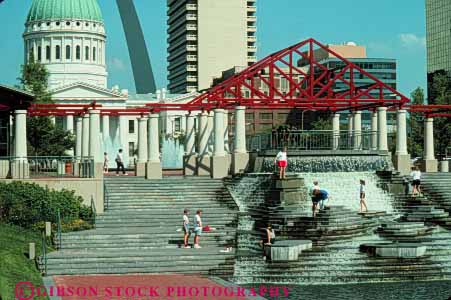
x=362 y=196
x=186 y=229
x=120 y=163
x=281 y=161
x=314 y=193
x=197 y=228
x=416 y=176
x=106 y=160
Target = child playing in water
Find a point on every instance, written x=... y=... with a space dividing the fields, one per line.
x=362 y=196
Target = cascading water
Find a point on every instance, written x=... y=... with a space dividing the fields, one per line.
x=172 y=154
x=337 y=261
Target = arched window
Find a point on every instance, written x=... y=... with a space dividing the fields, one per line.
x=86 y=53
x=94 y=53
x=57 y=52
x=39 y=53
x=78 y=52
x=67 y=52
x=48 y=53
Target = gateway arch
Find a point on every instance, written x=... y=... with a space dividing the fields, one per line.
x=139 y=56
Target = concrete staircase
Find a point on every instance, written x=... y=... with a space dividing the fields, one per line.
x=438 y=187
x=140 y=231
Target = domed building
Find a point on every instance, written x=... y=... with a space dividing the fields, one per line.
x=68 y=37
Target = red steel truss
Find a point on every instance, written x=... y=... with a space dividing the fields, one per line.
x=309 y=85
x=292 y=78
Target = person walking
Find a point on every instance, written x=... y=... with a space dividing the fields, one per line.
x=105 y=162
x=314 y=193
x=281 y=161
x=197 y=228
x=362 y=196
x=416 y=183
x=186 y=229
x=120 y=163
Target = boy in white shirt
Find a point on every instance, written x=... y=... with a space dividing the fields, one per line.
x=416 y=176
x=197 y=228
x=282 y=162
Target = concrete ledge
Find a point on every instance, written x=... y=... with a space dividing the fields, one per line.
x=203 y=165
x=395 y=250
x=189 y=165
x=402 y=163
x=240 y=162
x=287 y=250
x=429 y=166
x=219 y=166
x=140 y=169
x=154 y=170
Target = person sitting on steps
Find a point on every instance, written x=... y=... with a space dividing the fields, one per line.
x=268 y=239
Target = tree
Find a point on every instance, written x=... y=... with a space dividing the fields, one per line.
x=416 y=125
x=441 y=90
x=44 y=138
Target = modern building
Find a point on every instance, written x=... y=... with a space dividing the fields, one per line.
x=438 y=36
x=207 y=37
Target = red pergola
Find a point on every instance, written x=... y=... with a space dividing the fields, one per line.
x=309 y=85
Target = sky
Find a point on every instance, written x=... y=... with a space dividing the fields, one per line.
x=389 y=29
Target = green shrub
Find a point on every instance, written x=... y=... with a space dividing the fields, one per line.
x=26 y=204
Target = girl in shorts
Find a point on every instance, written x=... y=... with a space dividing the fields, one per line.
x=282 y=162
x=362 y=196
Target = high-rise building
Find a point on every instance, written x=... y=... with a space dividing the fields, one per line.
x=438 y=33
x=207 y=37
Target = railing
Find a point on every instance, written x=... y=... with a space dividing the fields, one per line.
x=50 y=166
x=44 y=252
x=311 y=140
x=93 y=211
x=58 y=230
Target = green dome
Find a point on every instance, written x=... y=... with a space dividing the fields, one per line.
x=86 y=10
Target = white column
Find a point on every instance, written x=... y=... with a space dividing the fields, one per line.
x=210 y=125
x=20 y=135
x=219 y=132
x=240 y=130
x=350 y=130
x=78 y=136
x=142 y=140
x=336 y=131
x=190 y=135
x=153 y=139
x=123 y=137
x=401 y=133
x=94 y=136
x=69 y=120
x=429 y=139
x=85 y=136
x=357 y=126
x=203 y=133
x=382 y=129
x=105 y=127
x=226 y=131
x=374 y=130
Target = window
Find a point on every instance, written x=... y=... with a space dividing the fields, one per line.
x=57 y=52
x=131 y=148
x=47 y=53
x=283 y=116
x=86 y=53
x=39 y=53
x=177 y=125
x=67 y=52
x=131 y=126
x=249 y=116
x=94 y=53
x=78 y=52
x=266 y=116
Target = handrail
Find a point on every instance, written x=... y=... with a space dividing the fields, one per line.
x=44 y=251
x=59 y=229
x=93 y=210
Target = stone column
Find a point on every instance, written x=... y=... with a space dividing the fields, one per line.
x=78 y=137
x=240 y=157
x=336 y=131
x=153 y=167
x=357 y=126
x=382 y=144
x=70 y=127
x=402 y=157
x=123 y=138
x=105 y=127
x=85 y=137
x=374 y=130
x=226 y=138
x=20 y=167
x=189 y=159
x=203 y=159
x=94 y=142
x=430 y=164
x=350 y=131
x=219 y=163
x=210 y=126
x=142 y=147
